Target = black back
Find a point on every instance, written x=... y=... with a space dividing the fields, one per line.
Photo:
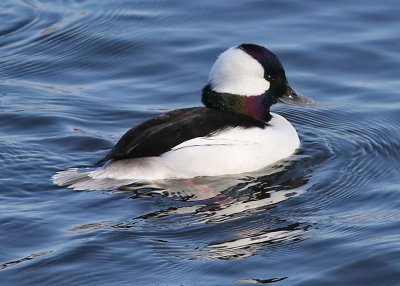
x=163 y=132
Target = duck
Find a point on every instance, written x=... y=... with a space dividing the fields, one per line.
x=233 y=133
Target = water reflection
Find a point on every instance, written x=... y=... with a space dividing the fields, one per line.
x=249 y=243
x=288 y=175
x=200 y=206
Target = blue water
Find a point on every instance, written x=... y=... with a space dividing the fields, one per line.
x=75 y=75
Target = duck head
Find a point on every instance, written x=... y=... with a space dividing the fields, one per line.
x=248 y=79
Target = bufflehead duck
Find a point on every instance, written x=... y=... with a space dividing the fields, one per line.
x=234 y=133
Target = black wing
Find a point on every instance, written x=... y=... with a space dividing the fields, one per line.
x=163 y=132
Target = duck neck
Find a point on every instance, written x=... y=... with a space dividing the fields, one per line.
x=256 y=107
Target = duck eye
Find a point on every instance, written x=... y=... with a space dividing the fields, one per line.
x=269 y=78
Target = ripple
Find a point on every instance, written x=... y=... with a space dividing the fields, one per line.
x=27 y=258
x=60 y=39
x=249 y=243
x=260 y=281
x=360 y=146
x=76 y=74
x=15 y=17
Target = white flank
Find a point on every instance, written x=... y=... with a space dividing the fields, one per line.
x=233 y=151
x=237 y=72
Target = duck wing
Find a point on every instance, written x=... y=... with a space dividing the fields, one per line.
x=163 y=132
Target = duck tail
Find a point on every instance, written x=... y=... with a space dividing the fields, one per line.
x=87 y=179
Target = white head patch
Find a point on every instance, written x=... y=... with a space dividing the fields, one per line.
x=237 y=72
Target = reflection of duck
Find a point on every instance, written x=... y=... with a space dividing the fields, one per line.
x=247 y=210
x=234 y=133
x=247 y=243
x=228 y=197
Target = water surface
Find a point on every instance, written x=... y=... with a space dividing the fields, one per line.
x=75 y=75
